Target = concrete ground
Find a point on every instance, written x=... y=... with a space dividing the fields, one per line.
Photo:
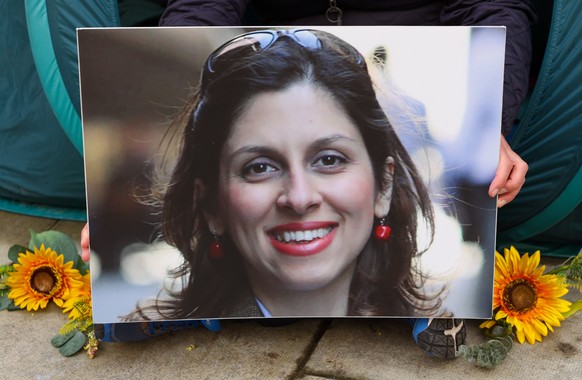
x=311 y=349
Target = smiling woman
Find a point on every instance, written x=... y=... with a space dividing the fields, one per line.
x=292 y=194
x=300 y=203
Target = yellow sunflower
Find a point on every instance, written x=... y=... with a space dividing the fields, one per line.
x=525 y=298
x=40 y=277
x=79 y=302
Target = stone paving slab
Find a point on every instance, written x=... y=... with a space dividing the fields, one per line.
x=241 y=350
x=14 y=229
x=384 y=349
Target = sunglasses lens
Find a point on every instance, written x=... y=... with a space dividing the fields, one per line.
x=307 y=39
x=255 y=41
x=310 y=40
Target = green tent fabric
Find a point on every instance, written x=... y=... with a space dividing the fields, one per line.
x=547 y=214
x=41 y=154
x=41 y=165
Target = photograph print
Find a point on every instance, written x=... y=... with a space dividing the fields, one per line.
x=291 y=172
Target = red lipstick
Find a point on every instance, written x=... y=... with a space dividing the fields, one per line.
x=302 y=247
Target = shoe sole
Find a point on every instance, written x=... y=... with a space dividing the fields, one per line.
x=442 y=337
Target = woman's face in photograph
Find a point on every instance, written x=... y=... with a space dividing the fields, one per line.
x=297 y=190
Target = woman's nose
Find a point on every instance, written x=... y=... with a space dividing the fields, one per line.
x=300 y=193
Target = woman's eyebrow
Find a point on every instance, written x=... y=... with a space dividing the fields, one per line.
x=264 y=150
x=326 y=141
x=253 y=149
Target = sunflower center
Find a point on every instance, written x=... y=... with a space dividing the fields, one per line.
x=43 y=280
x=520 y=296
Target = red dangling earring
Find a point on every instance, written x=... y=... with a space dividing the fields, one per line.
x=215 y=252
x=382 y=231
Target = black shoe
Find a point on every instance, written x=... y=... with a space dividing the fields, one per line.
x=137 y=331
x=439 y=337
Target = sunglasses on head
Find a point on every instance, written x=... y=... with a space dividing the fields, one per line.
x=260 y=40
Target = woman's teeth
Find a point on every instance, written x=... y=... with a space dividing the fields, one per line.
x=306 y=236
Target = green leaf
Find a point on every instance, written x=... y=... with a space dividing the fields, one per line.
x=13 y=307
x=57 y=241
x=5 y=302
x=489 y=354
x=73 y=345
x=15 y=251
x=575 y=307
x=58 y=340
x=34 y=242
x=82 y=267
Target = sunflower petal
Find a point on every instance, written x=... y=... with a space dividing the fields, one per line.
x=500 y=314
x=487 y=324
x=515 y=321
x=539 y=326
x=520 y=336
x=530 y=334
